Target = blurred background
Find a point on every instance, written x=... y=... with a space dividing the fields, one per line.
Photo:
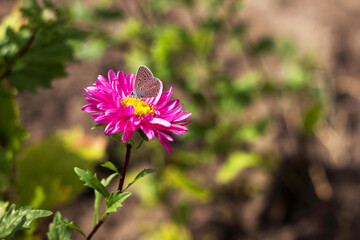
x=271 y=152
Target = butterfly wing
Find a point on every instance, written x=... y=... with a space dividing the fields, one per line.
x=145 y=84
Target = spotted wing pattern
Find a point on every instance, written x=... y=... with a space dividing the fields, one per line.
x=145 y=84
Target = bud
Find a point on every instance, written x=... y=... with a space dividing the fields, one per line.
x=48 y=15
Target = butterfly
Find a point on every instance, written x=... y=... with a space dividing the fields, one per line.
x=146 y=85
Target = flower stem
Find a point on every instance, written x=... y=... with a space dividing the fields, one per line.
x=126 y=163
x=120 y=188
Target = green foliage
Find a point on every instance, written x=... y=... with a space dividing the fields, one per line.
x=142 y=174
x=73 y=226
x=36 y=42
x=174 y=178
x=235 y=163
x=45 y=169
x=110 y=166
x=220 y=74
x=58 y=230
x=11 y=134
x=97 y=200
x=115 y=200
x=312 y=117
x=263 y=45
x=168 y=231
x=12 y=219
x=251 y=132
x=92 y=181
x=43 y=42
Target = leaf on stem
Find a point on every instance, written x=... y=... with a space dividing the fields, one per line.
x=71 y=225
x=142 y=174
x=110 y=166
x=105 y=182
x=115 y=200
x=13 y=220
x=98 y=125
x=92 y=181
x=117 y=136
x=58 y=229
x=142 y=134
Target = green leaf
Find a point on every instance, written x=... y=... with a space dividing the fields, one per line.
x=62 y=52
x=27 y=75
x=14 y=37
x=58 y=229
x=98 y=125
x=110 y=166
x=296 y=76
x=3 y=206
x=263 y=46
x=252 y=131
x=175 y=178
x=141 y=142
x=105 y=182
x=93 y=49
x=142 y=174
x=11 y=135
x=92 y=181
x=73 y=226
x=108 y=14
x=142 y=134
x=43 y=54
x=13 y=220
x=312 y=117
x=11 y=132
x=115 y=200
x=117 y=136
x=235 y=163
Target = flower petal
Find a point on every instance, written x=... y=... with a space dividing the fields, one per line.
x=160 y=121
x=109 y=129
x=129 y=110
x=90 y=108
x=111 y=75
x=182 y=118
x=164 y=142
x=127 y=135
x=150 y=134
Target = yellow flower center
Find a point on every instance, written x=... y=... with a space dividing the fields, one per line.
x=141 y=108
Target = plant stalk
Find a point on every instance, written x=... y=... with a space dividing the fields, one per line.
x=120 y=188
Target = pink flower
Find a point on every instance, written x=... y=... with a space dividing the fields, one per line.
x=111 y=104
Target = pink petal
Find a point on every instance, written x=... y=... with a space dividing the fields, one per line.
x=148 y=117
x=103 y=80
x=90 y=108
x=165 y=96
x=160 y=121
x=111 y=75
x=127 y=135
x=120 y=125
x=112 y=113
x=182 y=118
x=102 y=119
x=150 y=134
x=105 y=106
x=129 y=110
x=109 y=129
x=91 y=99
x=164 y=142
